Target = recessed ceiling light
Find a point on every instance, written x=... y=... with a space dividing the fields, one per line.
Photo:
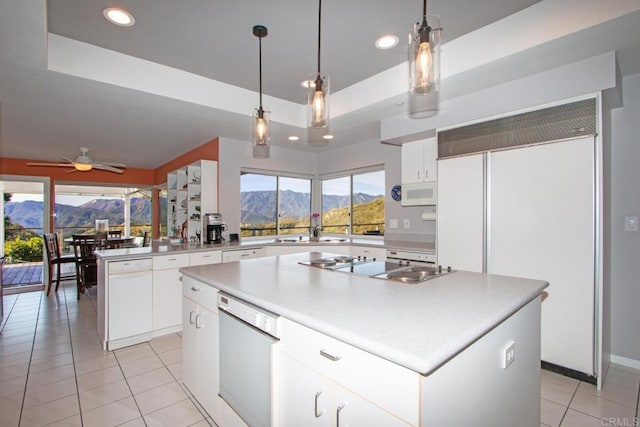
x=119 y=16
x=293 y=138
x=387 y=41
x=307 y=84
x=327 y=136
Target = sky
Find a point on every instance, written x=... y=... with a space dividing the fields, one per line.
x=369 y=183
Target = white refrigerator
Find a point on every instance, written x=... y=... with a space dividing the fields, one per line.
x=530 y=212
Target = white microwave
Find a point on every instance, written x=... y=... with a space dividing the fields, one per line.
x=419 y=193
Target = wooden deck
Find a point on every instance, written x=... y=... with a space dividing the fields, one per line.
x=28 y=273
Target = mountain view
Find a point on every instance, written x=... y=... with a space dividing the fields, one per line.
x=257 y=211
x=259 y=206
x=29 y=213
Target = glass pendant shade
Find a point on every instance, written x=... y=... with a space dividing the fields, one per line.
x=261 y=137
x=318 y=101
x=424 y=56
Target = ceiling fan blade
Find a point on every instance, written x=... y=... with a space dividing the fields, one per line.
x=107 y=168
x=67 y=160
x=50 y=164
x=114 y=164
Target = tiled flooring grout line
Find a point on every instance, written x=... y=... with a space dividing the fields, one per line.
x=33 y=343
x=566 y=409
x=182 y=386
x=6 y=315
x=129 y=387
x=73 y=357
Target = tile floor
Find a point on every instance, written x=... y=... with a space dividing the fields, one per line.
x=54 y=372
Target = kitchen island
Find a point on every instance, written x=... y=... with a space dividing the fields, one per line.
x=462 y=349
x=152 y=304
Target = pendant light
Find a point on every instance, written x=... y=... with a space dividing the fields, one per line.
x=424 y=55
x=260 y=126
x=318 y=94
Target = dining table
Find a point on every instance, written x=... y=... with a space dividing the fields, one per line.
x=108 y=242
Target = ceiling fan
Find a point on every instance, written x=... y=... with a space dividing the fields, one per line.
x=84 y=163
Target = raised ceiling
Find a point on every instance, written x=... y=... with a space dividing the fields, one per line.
x=52 y=100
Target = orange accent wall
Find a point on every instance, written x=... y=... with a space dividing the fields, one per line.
x=207 y=151
x=130 y=177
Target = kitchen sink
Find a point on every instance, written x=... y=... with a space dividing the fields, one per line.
x=306 y=241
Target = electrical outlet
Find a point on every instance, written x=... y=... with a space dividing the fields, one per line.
x=393 y=223
x=630 y=223
x=406 y=223
x=509 y=355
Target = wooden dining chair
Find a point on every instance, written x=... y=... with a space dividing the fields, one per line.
x=55 y=260
x=84 y=246
x=146 y=239
x=115 y=233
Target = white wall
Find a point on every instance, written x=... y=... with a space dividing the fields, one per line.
x=625 y=245
x=371 y=153
x=234 y=155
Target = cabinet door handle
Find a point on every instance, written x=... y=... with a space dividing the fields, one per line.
x=198 y=324
x=418 y=175
x=330 y=356
x=191 y=318
x=316 y=413
x=195 y=288
x=340 y=408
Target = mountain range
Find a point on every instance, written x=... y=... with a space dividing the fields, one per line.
x=259 y=206
x=29 y=213
x=256 y=206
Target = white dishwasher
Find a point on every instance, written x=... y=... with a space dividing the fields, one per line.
x=130 y=299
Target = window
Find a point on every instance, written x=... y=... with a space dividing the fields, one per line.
x=354 y=202
x=271 y=205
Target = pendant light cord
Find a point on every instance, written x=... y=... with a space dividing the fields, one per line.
x=424 y=10
x=319 y=31
x=260 y=67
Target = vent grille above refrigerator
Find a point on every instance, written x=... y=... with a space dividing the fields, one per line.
x=550 y=124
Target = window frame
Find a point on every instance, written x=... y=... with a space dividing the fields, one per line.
x=278 y=175
x=350 y=173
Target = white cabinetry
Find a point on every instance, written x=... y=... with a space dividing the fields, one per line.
x=419 y=161
x=191 y=191
x=205 y=258
x=200 y=343
x=540 y=223
x=167 y=291
x=461 y=213
x=240 y=254
x=310 y=399
x=313 y=363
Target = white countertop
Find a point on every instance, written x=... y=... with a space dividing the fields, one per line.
x=419 y=326
x=160 y=248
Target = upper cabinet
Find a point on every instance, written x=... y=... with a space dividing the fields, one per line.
x=191 y=192
x=419 y=161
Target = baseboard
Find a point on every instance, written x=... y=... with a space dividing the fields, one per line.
x=568 y=372
x=625 y=361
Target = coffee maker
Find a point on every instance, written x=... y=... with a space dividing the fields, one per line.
x=214 y=227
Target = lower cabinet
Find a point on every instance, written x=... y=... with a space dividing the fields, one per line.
x=167 y=292
x=200 y=343
x=240 y=254
x=310 y=399
x=324 y=381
